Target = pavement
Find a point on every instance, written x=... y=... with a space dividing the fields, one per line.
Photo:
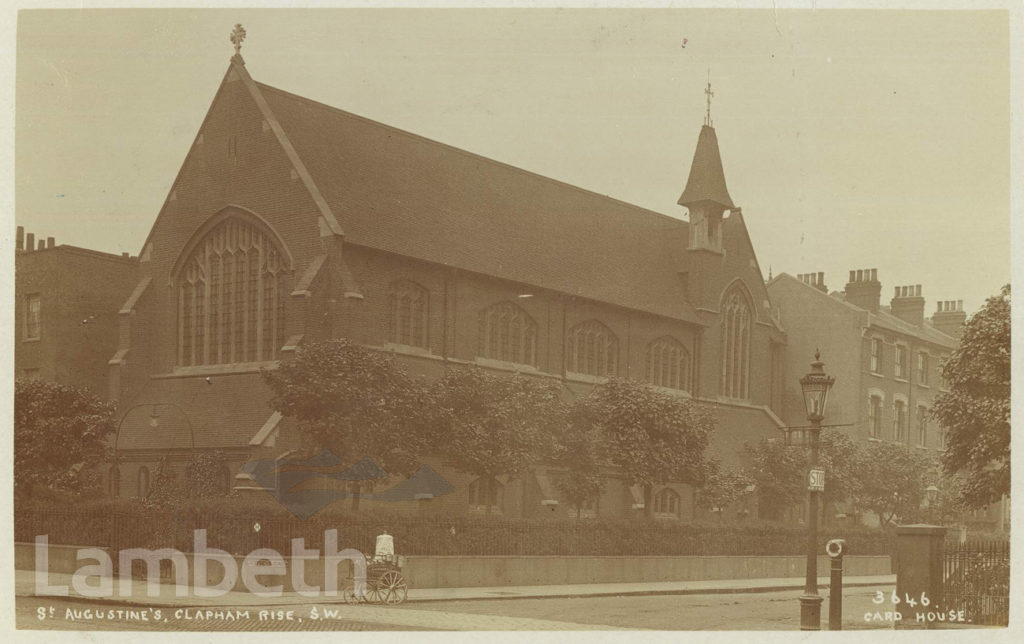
x=166 y=595
x=291 y=611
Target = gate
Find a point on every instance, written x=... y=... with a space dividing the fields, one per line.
x=976 y=580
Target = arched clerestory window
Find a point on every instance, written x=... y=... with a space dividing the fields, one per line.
x=592 y=349
x=736 y=321
x=508 y=334
x=231 y=294
x=409 y=313
x=668 y=364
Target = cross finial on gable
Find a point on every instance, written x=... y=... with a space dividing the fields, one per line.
x=709 y=94
x=237 y=36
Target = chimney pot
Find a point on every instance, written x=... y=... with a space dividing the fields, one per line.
x=42 y=244
x=20 y=237
x=874 y=274
x=30 y=241
x=125 y=254
x=852 y=275
x=50 y=242
x=959 y=305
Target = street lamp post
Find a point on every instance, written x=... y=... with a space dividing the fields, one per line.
x=932 y=495
x=815 y=386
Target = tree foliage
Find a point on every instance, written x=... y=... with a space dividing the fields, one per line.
x=976 y=410
x=60 y=434
x=652 y=437
x=581 y=449
x=723 y=486
x=779 y=472
x=200 y=478
x=889 y=479
x=355 y=402
x=491 y=425
x=893 y=480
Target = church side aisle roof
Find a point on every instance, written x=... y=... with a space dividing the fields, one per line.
x=402 y=193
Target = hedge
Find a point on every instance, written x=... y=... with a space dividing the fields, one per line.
x=240 y=529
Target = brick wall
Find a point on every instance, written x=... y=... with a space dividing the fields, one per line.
x=80 y=293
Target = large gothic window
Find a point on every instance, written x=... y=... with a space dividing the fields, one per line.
x=231 y=294
x=736 y=321
x=507 y=333
x=668 y=364
x=409 y=313
x=592 y=349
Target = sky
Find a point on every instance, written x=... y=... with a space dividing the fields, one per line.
x=851 y=139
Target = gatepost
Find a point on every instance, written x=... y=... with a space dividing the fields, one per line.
x=919 y=551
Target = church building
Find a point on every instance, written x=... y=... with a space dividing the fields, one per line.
x=291 y=221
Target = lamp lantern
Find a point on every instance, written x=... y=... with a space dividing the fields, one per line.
x=816 y=386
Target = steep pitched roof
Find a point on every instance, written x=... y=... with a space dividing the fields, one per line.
x=707 y=179
x=398 y=192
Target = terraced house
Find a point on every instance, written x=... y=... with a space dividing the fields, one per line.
x=291 y=221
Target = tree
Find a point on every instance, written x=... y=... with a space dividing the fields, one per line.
x=581 y=450
x=491 y=425
x=60 y=434
x=893 y=480
x=780 y=473
x=975 y=412
x=355 y=402
x=723 y=486
x=841 y=457
x=652 y=437
x=202 y=479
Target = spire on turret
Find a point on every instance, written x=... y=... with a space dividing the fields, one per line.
x=705 y=195
x=707 y=179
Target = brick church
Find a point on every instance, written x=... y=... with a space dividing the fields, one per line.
x=291 y=221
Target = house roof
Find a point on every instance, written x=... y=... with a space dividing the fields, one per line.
x=886 y=320
x=707 y=179
x=883 y=318
x=398 y=192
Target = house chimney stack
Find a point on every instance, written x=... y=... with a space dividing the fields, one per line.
x=864 y=289
x=817 y=280
x=949 y=317
x=908 y=305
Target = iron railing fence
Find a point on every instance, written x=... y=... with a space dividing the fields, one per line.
x=976 y=580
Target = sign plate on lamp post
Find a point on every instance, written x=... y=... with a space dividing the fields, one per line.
x=816 y=480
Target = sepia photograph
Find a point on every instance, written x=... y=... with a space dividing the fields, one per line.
x=512 y=318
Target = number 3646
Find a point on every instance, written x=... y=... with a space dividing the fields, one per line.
x=895 y=599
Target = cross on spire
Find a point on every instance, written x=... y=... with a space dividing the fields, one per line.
x=709 y=94
x=237 y=36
